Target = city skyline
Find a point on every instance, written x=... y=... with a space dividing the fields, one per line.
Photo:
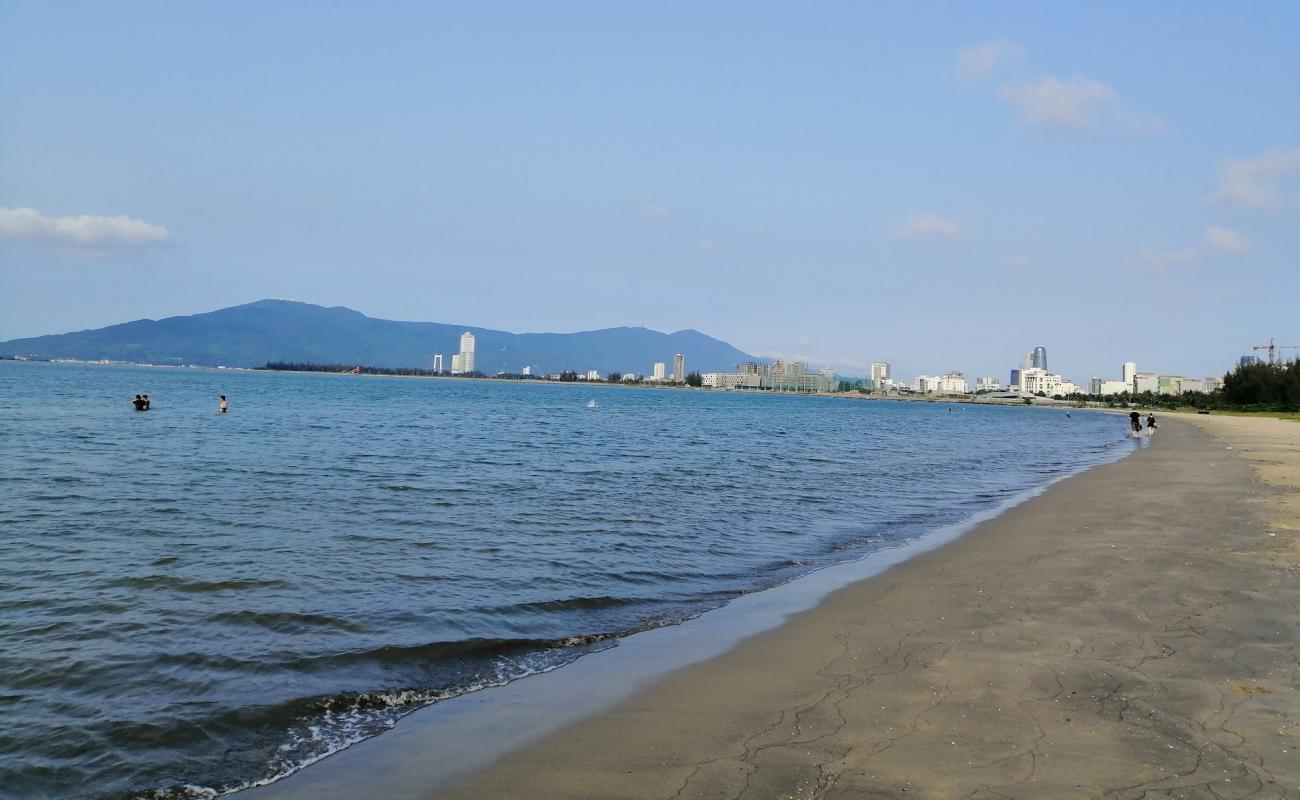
x=911 y=181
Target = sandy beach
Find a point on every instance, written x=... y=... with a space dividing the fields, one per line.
x=1131 y=633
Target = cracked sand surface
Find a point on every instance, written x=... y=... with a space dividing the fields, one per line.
x=1130 y=634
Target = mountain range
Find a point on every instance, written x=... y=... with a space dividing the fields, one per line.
x=253 y=334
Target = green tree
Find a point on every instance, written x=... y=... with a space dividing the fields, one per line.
x=694 y=379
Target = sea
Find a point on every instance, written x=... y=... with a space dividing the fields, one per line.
x=193 y=603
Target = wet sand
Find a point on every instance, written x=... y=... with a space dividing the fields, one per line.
x=1131 y=633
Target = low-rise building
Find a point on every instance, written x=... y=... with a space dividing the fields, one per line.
x=1211 y=385
x=1146 y=382
x=950 y=383
x=987 y=385
x=1105 y=387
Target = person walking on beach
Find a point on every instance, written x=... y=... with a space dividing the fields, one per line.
x=1151 y=425
x=1135 y=421
x=138 y=402
x=221 y=408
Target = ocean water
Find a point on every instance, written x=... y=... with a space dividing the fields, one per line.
x=191 y=603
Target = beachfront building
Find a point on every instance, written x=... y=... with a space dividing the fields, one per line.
x=1189 y=384
x=679 y=367
x=779 y=376
x=657 y=371
x=1211 y=385
x=951 y=383
x=527 y=371
x=437 y=362
x=466 y=353
x=1130 y=369
x=1170 y=384
x=1038 y=358
x=1034 y=380
x=455 y=364
x=1146 y=382
x=728 y=380
x=987 y=385
x=879 y=374
x=1106 y=386
x=593 y=375
x=1013 y=382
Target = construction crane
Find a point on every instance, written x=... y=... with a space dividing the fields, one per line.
x=1272 y=347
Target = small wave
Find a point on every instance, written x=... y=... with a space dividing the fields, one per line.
x=173 y=583
x=571 y=604
x=285 y=621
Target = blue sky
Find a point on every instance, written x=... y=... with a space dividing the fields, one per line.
x=943 y=186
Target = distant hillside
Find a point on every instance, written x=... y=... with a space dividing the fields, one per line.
x=281 y=330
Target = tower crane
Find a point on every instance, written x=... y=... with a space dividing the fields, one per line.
x=1273 y=347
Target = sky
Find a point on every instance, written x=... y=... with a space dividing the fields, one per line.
x=943 y=186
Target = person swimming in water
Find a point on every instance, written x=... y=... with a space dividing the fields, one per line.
x=223 y=405
x=138 y=403
x=145 y=397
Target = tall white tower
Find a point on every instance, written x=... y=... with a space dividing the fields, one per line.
x=467 y=352
x=679 y=367
x=1130 y=372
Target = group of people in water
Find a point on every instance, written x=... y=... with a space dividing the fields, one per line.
x=141 y=403
x=1135 y=421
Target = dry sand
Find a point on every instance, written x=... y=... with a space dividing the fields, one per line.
x=1129 y=634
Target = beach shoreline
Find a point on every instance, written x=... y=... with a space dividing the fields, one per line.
x=791 y=711
x=1130 y=633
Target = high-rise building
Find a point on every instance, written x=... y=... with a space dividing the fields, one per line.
x=455 y=364
x=1247 y=361
x=528 y=371
x=657 y=372
x=467 y=352
x=1039 y=358
x=879 y=374
x=679 y=367
x=437 y=362
x=1014 y=380
x=1130 y=372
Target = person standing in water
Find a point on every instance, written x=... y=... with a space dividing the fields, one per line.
x=1151 y=425
x=223 y=405
x=145 y=397
x=138 y=402
x=1135 y=422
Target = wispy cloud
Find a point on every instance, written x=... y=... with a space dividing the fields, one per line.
x=926 y=224
x=655 y=212
x=84 y=231
x=1254 y=182
x=1076 y=104
x=1166 y=258
x=706 y=244
x=1223 y=239
x=982 y=60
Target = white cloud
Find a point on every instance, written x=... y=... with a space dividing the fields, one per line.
x=1253 y=181
x=1075 y=104
x=1166 y=258
x=1224 y=239
x=978 y=62
x=655 y=212
x=84 y=231
x=926 y=224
